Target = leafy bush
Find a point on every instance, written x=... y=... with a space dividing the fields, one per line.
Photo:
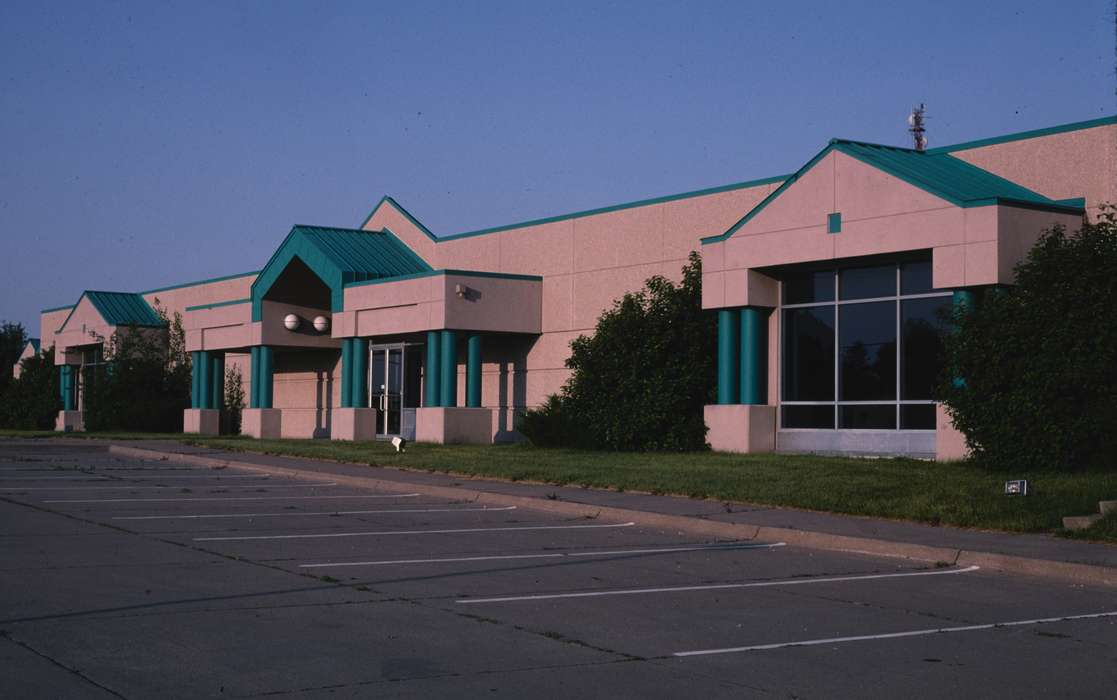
x=234 y=401
x=32 y=402
x=1037 y=362
x=144 y=384
x=640 y=381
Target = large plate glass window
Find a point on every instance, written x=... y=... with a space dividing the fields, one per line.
x=861 y=347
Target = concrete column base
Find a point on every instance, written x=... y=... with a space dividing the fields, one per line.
x=353 y=424
x=472 y=426
x=69 y=422
x=741 y=427
x=950 y=443
x=203 y=421
x=261 y=423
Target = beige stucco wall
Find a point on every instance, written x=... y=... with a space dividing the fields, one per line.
x=1081 y=163
x=587 y=262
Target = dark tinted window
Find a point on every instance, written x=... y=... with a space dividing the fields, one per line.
x=867 y=417
x=808 y=417
x=809 y=287
x=867 y=282
x=922 y=346
x=915 y=277
x=808 y=345
x=917 y=417
x=868 y=351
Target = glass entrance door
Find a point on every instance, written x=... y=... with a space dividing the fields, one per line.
x=386 y=392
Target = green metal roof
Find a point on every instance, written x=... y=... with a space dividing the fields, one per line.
x=942 y=174
x=120 y=309
x=124 y=309
x=34 y=342
x=939 y=173
x=338 y=256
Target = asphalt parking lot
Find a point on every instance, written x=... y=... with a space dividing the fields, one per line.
x=139 y=579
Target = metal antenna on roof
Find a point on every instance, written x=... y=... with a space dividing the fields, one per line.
x=916 y=128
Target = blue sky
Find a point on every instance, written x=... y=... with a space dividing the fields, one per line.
x=148 y=144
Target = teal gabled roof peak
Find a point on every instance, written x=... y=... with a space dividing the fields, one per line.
x=338 y=256
x=120 y=309
x=938 y=173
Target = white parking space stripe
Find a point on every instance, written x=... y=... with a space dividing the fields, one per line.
x=125 y=486
x=241 y=538
x=897 y=635
x=328 y=512
x=550 y=555
x=225 y=498
x=716 y=586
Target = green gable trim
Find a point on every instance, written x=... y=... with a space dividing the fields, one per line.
x=57 y=308
x=120 y=309
x=219 y=303
x=1020 y=135
x=834 y=222
x=574 y=215
x=34 y=343
x=940 y=174
x=437 y=273
x=201 y=282
x=338 y=257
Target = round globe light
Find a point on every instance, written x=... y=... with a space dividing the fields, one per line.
x=321 y=324
x=291 y=322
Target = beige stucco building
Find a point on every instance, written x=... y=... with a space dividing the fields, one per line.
x=825 y=281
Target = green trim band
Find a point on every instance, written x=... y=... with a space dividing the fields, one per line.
x=199 y=283
x=57 y=308
x=574 y=215
x=1021 y=135
x=432 y=273
x=219 y=303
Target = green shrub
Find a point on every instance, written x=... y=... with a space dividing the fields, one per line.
x=144 y=384
x=1036 y=363
x=32 y=402
x=234 y=401
x=641 y=380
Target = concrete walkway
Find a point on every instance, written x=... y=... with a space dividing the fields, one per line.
x=1039 y=555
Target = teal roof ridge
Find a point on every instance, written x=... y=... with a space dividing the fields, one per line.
x=939 y=173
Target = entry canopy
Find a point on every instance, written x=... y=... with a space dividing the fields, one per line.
x=337 y=256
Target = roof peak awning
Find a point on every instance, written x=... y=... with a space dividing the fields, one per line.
x=337 y=256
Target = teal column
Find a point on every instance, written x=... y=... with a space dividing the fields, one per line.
x=205 y=385
x=66 y=387
x=448 y=390
x=728 y=351
x=754 y=355
x=359 y=376
x=347 y=373
x=267 y=374
x=217 y=380
x=433 y=371
x=473 y=371
x=195 y=391
x=963 y=301
x=254 y=381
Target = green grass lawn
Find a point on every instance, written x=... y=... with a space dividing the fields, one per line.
x=951 y=493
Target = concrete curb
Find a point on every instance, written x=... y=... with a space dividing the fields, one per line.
x=1087 y=574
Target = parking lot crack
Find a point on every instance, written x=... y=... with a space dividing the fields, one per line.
x=4 y=634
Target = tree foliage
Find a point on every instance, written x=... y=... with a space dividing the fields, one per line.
x=144 y=384
x=641 y=380
x=13 y=338
x=1032 y=369
x=32 y=402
